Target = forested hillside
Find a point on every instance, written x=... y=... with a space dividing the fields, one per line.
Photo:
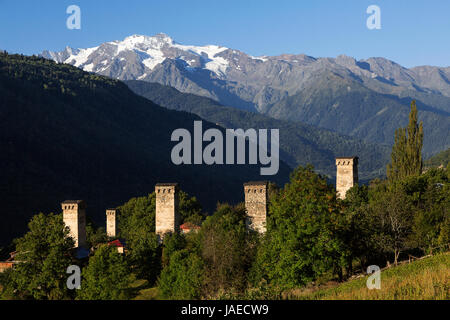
x=69 y=134
x=345 y=105
x=300 y=144
x=440 y=159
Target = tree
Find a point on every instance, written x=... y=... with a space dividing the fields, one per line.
x=183 y=277
x=227 y=250
x=212 y=262
x=145 y=256
x=302 y=242
x=6 y=285
x=136 y=223
x=172 y=243
x=95 y=236
x=393 y=211
x=431 y=193
x=190 y=209
x=406 y=156
x=44 y=254
x=137 y=217
x=107 y=276
x=357 y=227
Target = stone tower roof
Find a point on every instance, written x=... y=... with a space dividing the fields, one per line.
x=255 y=183
x=167 y=184
x=354 y=160
x=72 y=202
x=352 y=157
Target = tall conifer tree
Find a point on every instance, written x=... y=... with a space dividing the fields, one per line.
x=406 y=156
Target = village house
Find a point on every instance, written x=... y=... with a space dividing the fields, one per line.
x=189 y=227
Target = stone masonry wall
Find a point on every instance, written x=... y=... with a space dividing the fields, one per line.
x=167 y=218
x=346 y=175
x=256 y=194
x=111 y=227
x=74 y=215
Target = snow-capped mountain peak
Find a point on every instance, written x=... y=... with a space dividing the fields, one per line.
x=138 y=55
x=238 y=79
x=136 y=41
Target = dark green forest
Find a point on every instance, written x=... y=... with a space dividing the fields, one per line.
x=300 y=144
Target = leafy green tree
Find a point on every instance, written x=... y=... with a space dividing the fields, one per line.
x=145 y=256
x=172 y=243
x=357 y=227
x=406 y=214
x=190 y=209
x=95 y=236
x=107 y=276
x=273 y=189
x=406 y=156
x=137 y=217
x=183 y=277
x=444 y=235
x=44 y=254
x=393 y=213
x=431 y=193
x=136 y=222
x=302 y=242
x=227 y=250
x=222 y=252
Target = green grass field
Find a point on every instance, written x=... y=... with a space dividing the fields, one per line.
x=142 y=291
x=419 y=280
x=426 y=279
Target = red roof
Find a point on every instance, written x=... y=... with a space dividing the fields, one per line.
x=189 y=226
x=117 y=243
x=7 y=264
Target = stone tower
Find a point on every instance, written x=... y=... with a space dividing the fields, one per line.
x=167 y=218
x=256 y=195
x=111 y=227
x=346 y=174
x=74 y=215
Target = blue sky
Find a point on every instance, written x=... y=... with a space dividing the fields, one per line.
x=414 y=32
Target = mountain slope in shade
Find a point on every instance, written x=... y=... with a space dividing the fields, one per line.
x=360 y=112
x=273 y=85
x=68 y=134
x=300 y=144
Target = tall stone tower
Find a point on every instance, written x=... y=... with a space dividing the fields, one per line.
x=111 y=226
x=346 y=174
x=74 y=216
x=256 y=195
x=167 y=218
